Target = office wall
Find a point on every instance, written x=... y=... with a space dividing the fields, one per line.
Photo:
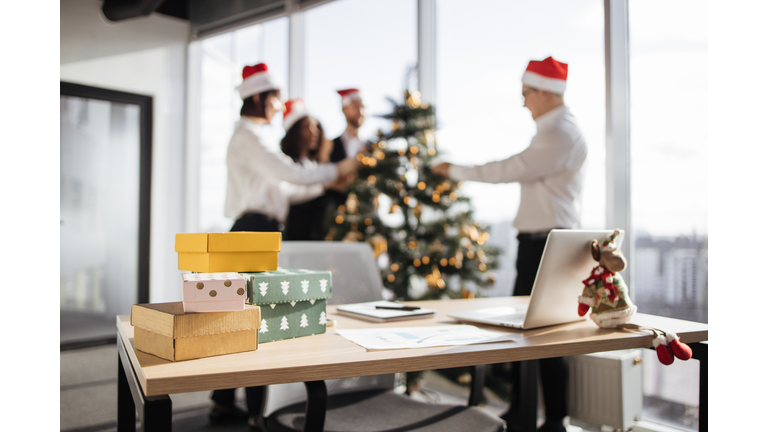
x=147 y=56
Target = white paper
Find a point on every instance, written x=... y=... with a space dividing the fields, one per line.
x=422 y=337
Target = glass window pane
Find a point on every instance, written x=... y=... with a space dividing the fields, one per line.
x=224 y=57
x=483 y=50
x=99 y=199
x=366 y=44
x=668 y=76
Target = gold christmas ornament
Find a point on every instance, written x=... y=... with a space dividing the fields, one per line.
x=435 y=278
x=371 y=179
x=394 y=267
x=352 y=203
x=431 y=151
x=414 y=150
x=379 y=244
x=416 y=262
x=425 y=260
x=339 y=219
x=368 y=221
x=394 y=208
x=341 y=209
x=417 y=211
x=421 y=185
x=391 y=278
x=444 y=262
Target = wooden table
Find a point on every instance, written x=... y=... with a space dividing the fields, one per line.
x=145 y=381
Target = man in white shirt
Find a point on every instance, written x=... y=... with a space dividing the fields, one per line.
x=550 y=175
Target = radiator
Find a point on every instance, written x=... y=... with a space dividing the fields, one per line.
x=606 y=388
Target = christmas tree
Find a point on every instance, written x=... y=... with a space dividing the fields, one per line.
x=263 y=328
x=419 y=226
x=284 y=324
x=303 y=322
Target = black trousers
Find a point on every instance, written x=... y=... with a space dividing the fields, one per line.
x=254 y=396
x=553 y=372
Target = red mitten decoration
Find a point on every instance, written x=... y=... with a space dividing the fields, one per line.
x=583 y=309
x=679 y=349
x=662 y=351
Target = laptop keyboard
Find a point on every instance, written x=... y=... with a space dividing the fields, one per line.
x=515 y=318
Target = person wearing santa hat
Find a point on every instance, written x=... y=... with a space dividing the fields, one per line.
x=348 y=144
x=550 y=173
x=261 y=183
x=306 y=144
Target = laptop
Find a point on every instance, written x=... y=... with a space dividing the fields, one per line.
x=566 y=262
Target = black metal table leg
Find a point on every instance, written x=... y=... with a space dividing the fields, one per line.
x=317 y=404
x=154 y=411
x=701 y=353
x=529 y=395
x=126 y=409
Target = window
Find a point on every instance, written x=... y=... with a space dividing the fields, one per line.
x=668 y=135
x=223 y=59
x=369 y=45
x=482 y=52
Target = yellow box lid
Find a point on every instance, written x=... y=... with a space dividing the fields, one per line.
x=229 y=242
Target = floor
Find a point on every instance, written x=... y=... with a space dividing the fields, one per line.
x=88 y=401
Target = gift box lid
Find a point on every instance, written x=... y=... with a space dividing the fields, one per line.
x=170 y=320
x=213 y=287
x=229 y=242
x=287 y=285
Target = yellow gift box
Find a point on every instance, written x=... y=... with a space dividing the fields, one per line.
x=228 y=252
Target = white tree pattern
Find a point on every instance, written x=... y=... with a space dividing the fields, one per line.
x=272 y=305
x=312 y=301
x=284 y=323
x=285 y=285
x=323 y=284
x=263 y=288
x=323 y=320
x=293 y=303
x=305 y=286
x=304 y=322
x=263 y=328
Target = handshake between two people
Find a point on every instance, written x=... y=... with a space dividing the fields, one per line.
x=347 y=174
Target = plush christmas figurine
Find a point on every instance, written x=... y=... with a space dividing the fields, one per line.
x=608 y=296
x=604 y=290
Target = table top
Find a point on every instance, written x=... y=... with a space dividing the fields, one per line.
x=330 y=356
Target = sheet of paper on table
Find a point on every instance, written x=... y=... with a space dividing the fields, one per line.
x=423 y=337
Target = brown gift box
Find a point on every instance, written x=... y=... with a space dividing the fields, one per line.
x=164 y=330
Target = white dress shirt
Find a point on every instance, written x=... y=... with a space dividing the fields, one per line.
x=352 y=143
x=263 y=180
x=549 y=172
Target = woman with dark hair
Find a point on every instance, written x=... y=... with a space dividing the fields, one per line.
x=306 y=144
x=261 y=183
x=256 y=169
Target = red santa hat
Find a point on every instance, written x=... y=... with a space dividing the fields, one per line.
x=348 y=95
x=295 y=110
x=548 y=74
x=257 y=79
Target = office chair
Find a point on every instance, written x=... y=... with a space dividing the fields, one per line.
x=361 y=403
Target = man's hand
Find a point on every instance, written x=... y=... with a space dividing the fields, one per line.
x=341 y=183
x=441 y=169
x=347 y=166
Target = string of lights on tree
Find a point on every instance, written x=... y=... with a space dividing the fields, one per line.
x=426 y=236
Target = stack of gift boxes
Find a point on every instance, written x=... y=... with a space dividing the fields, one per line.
x=236 y=298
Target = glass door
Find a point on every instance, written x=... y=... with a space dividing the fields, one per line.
x=105 y=139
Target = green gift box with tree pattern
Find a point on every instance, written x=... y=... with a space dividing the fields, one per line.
x=292 y=302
